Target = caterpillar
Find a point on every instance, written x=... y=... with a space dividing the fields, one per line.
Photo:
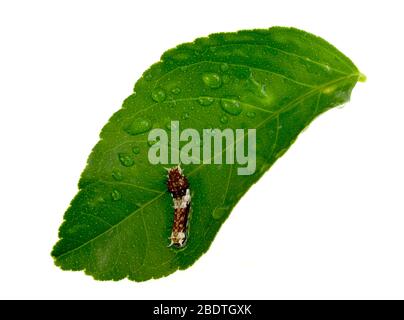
x=178 y=186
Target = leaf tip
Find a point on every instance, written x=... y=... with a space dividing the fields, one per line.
x=362 y=77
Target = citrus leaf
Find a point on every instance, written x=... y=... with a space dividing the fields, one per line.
x=275 y=81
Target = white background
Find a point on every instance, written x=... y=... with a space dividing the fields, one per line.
x=327 y=221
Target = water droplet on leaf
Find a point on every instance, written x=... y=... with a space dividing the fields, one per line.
x=176 y=91
x=224 y=119
x=117 y=174
x=219 y=213
x=231 y=106
x=251 y=114
x=138 y=126
x=126 y=160
x=116 y=195
x=205 y=101
x=224 y=67
x=212 y=80
x=158 y=95
x=171 y=104
x=226 y=78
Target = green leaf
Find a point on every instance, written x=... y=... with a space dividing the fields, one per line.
x=275 y=80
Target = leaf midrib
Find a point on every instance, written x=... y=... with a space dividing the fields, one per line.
x=305 y=58
x=234 y=65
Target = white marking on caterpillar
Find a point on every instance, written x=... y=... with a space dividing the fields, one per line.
x=178 y=186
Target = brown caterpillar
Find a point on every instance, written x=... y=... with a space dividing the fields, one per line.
x=178 y=186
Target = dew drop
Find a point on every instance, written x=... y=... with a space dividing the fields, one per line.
x=116 y=195
x=135 y=150
x=251 y=114
x=158 y=95
x=138 y=126
x=171 y=104
x=219 y=213
x=176 y=91
x=224 y=119
x=126 y=160
x=117 y=174
x=205 y=101
x=226 y=79
x=231 y=106
x=212 y=80
x=224 y=67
